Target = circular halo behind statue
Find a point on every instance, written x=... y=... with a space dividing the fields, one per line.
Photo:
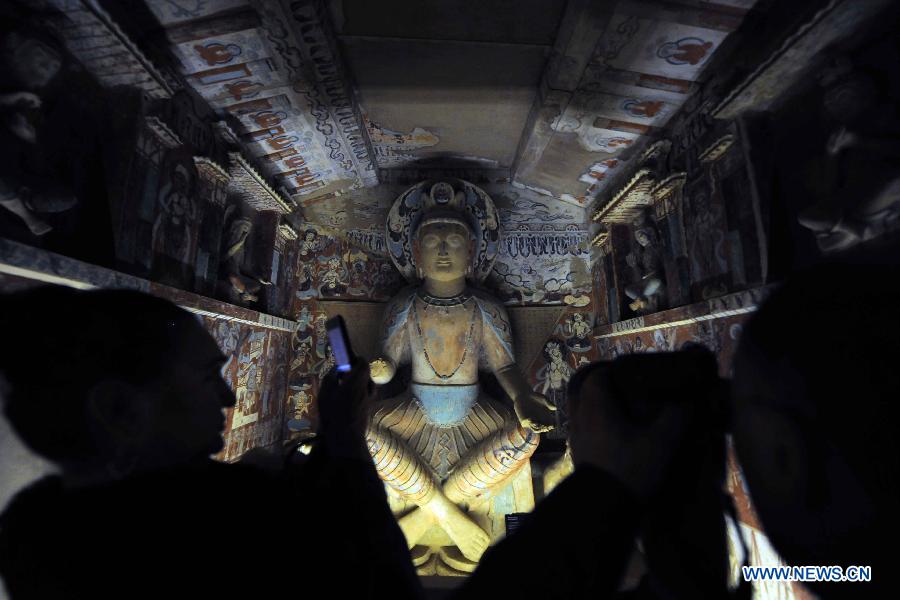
x=470 y=201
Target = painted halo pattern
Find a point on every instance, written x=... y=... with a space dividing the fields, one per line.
x=406 y=213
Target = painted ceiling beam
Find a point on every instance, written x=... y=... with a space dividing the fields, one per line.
x=93 y=37
x=582 y=23
x=619 y=73
x=309 y=49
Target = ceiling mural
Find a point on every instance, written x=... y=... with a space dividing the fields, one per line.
x=640 y=64
x=282 y=86
x=340 y=106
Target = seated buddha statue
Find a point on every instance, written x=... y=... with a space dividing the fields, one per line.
x=443 y=443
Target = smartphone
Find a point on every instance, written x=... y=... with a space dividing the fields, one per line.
x=340 y=343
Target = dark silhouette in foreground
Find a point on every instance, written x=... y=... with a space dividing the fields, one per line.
x=814 y=421
x=123 y=392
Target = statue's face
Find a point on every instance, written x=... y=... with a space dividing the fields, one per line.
x=444 y=251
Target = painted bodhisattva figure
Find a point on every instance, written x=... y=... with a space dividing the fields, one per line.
x=444 y=445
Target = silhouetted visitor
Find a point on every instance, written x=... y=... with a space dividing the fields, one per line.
x=816 y=421
x=124 y=392
x=815 y=424
x=626 y=440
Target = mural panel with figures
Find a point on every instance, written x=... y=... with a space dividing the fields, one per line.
x=328 y=267
x=311 y=359
x=569 y=347
x=256 y=371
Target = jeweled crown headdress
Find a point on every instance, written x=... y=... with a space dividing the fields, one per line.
x=449 y=201
x=443 y=204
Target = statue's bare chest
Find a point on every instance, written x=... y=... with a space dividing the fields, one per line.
x=446 y=338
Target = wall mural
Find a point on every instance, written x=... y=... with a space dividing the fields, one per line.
x=543 y=255
x=169 y=221
x=569 y=346
x=392 y=147
x=544 y=250
x=328 y=267
x=255 y=370
x=311 y=359
x=173 y=237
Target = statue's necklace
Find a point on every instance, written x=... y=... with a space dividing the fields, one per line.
x=444 y=302
x=465 y=352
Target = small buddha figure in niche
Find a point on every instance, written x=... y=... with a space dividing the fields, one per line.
x=443 y=444
x=646 y=263
x=240 y=283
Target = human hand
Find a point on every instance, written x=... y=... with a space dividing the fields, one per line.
x=344 y=400
x=534 y=412
x=602 y=435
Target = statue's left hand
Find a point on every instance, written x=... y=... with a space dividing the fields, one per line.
x=534 y=412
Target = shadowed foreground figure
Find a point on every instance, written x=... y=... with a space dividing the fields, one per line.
x=123 y=391
x=814 y=421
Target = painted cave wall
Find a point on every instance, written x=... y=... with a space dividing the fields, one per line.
x=153 y=194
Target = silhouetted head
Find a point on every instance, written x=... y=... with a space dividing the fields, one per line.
x=110 y=377
x=815 y=415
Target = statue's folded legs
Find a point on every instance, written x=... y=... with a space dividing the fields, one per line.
x=489 y=447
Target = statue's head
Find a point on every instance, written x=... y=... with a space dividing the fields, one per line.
x=440 y=208
x=444 y=243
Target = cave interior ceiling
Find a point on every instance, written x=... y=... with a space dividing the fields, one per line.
x=340 y=105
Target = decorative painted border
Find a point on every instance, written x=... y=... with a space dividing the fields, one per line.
x=668 y=185
x=92 y=36
x=287 y=232
x=248 y=181
x=211 y=169
x=627 y=203
x=737 y=303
